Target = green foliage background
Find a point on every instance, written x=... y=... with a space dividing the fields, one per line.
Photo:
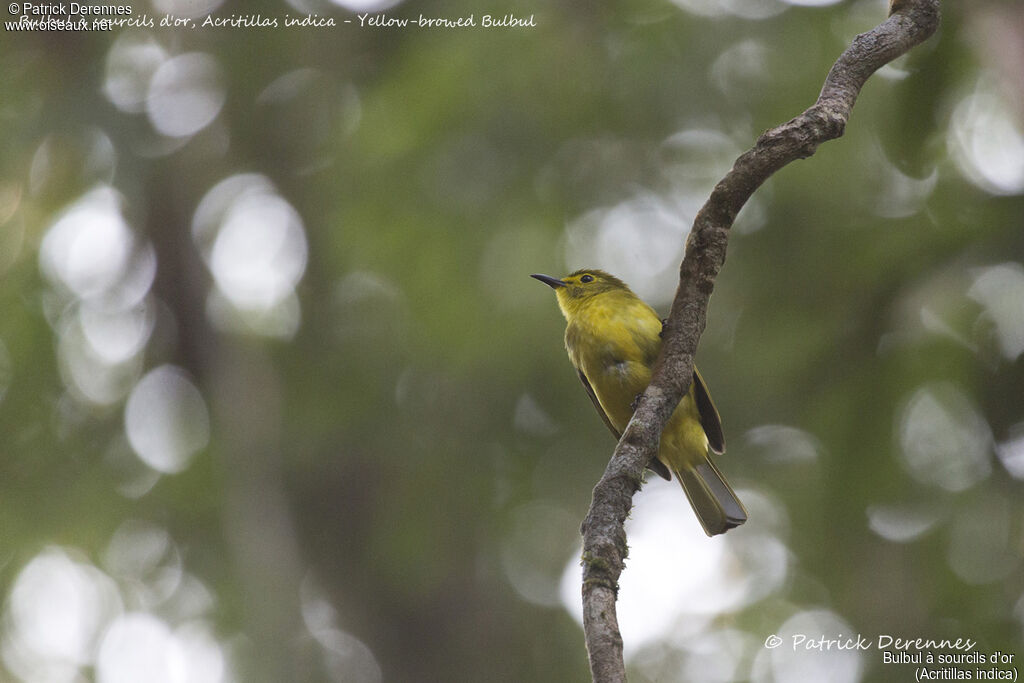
x=374 y=457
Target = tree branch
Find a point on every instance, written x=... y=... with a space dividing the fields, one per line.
x=910 y=22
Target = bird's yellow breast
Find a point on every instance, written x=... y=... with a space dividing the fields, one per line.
x=614 y=338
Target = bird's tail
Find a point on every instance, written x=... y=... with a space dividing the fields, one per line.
x=717 y=507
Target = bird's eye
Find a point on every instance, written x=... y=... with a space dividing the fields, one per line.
x=587 y=278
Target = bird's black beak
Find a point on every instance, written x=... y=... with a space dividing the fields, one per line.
x=552 y=282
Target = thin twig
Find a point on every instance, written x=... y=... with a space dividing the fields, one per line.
x=910 y=22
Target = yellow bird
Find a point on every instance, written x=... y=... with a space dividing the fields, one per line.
x=613 y=339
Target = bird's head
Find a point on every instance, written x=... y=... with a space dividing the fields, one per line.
x=577 y=288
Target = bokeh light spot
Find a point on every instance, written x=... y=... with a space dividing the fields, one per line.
x=185 y=94
x=136 y=549
x=746 y=9
x=894 y=194
x=88 y=375
x=138 y=647
x=254 y=243
x=131 y=62
x=187 y=8
x=945 y=441
x=740 y=68
x=1011 y=451
x=754 y=9
x=530 y=418
x=117 y=336
x=1000 y=289
x=345 y=657
x=533 y=551
x=72 y=160
x=366 y=5
x=797 y=663
x=166 y=419
x=56 y=609
x=987 y=142
x=784 y=444
x=640 y=240
x=260 y=252
x=87 y=248
x=901 y=523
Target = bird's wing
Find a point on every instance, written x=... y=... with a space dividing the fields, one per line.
x=655 y=465
x=709 y=418
x=597 y=404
